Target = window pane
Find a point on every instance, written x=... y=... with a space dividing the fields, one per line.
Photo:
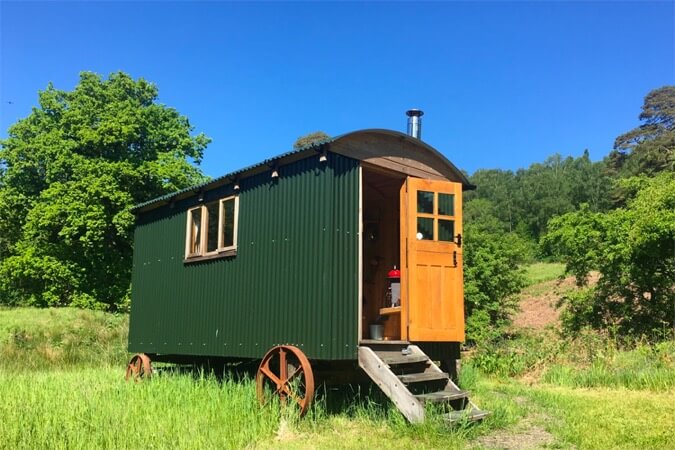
x=195 y=230
x=212 y=236
x=446 y=230
x=425 y=202
x=446 y=204
x=425 y=228
x=228 y=223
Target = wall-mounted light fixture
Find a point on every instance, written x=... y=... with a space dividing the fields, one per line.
x=275 y=172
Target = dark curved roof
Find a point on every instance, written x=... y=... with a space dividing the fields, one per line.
x=365 y=145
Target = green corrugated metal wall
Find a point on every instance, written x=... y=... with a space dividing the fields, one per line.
x=294 y=279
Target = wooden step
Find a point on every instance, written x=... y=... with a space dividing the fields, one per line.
x=472 y=415
x=397 y=359
x=420 y=377
x=442 y=396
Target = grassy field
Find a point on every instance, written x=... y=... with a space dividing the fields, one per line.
x=62 y=386
x=540 y=272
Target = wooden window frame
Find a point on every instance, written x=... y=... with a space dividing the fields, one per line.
x=436 y=216
x=221 y=251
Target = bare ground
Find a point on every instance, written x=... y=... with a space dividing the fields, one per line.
x=538 y=304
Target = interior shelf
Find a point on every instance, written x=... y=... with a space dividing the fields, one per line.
x=391 y=310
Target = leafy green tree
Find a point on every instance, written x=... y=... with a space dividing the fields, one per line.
x=492 y=278
x=71 y=170
x=649 y=148
x=309 y=139
x=633 y=248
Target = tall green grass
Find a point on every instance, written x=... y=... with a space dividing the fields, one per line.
x=62 y=386
x=589 y=360
x=38 y=339
x=95 y=408
x=649 y=367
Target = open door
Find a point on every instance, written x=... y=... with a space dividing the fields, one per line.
x=432 y=297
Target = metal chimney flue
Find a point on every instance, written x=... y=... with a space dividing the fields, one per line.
x=415 y=122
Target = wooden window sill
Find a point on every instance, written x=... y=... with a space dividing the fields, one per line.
x=219 y=255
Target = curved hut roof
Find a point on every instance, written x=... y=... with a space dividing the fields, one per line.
x=377 y=147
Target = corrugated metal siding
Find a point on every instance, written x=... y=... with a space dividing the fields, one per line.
x=294 y=278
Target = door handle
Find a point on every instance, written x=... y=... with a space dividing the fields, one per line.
x=454 y=258
x=458 y=240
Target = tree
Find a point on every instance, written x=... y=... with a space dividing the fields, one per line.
x=525 y=201
x=71 y=170
x=492 y=277
x=649 y=148
x=633 y=248
x=311 y=138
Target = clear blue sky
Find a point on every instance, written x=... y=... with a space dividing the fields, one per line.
x=502 y=84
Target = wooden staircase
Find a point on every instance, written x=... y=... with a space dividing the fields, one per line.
x=410 y=379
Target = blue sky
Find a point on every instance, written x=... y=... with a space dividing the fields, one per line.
x=502 y=84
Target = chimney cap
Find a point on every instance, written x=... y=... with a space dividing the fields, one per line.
x=414 y=112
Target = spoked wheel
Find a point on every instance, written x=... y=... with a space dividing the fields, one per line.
x=285 y=372
x=138 y=368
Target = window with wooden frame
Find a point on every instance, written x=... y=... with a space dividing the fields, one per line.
x=212 y=229
x=435 y=216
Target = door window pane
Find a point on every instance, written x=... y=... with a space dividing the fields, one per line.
x=425 y=228
x=425 y=202
x=446 y=230
x=446 y=204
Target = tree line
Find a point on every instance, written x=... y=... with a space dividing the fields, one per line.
x=615 y=216
x=71 y=170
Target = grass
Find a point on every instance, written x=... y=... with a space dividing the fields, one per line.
x=540 y=272
x=645 y=367
x=32 y=338
x=600 y=418
x=62 y=386
x=95 y=408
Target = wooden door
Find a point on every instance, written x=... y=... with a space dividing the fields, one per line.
x=431 y=255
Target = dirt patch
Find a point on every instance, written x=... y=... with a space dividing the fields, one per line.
x=531 y=437
x=538 y=304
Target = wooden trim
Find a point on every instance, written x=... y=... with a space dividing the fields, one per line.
x=403 y=198
x=221 y=212
x=360 y=262
x=235 y=232
x=211 y=256
x=220 y=251
x=190 y=232
x=203 y=235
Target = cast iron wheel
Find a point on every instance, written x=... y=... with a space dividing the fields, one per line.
x=286 y=372
x=139 y=367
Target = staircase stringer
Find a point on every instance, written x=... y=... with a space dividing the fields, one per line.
x=379 y=372
x=434 y=368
